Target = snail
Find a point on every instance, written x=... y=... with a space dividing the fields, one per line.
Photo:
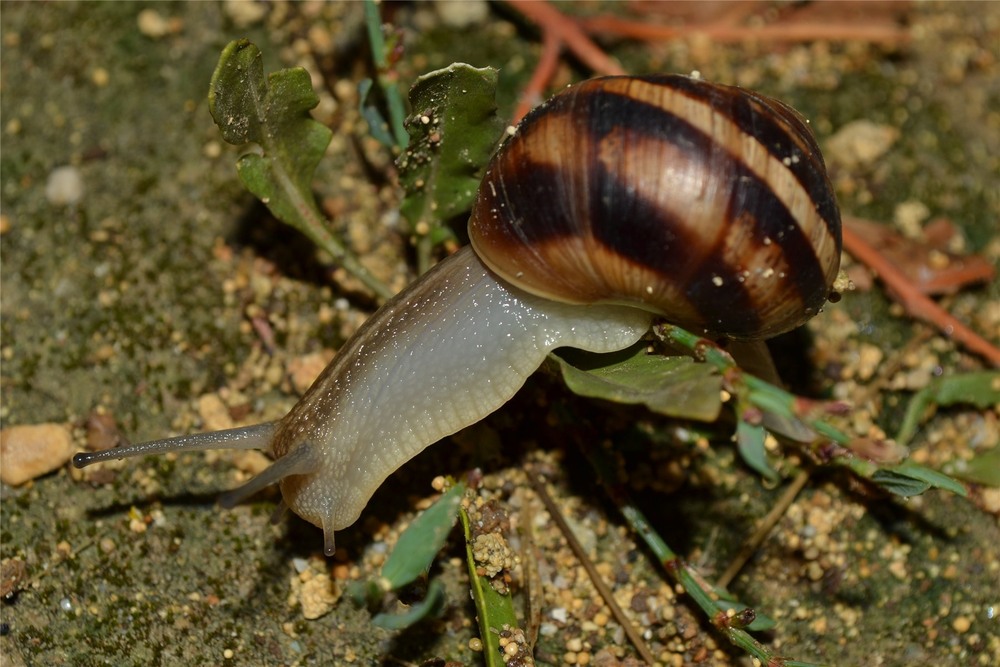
x=620 y=200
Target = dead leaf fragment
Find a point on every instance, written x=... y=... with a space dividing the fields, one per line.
x=102 y=432
x=929 y=266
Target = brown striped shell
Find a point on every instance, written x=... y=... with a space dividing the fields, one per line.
x=705 y=203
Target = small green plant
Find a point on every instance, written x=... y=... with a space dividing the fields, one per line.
x=411 y=559
x=270 y=117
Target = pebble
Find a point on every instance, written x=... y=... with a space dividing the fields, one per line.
x=214 y=413
x=30 y=451
x=814 y=571
x=13 y=573
x=315 y=591
x=100 y=77
x=305 y=369
x=243 y=13
x=460 y=15
x=860 y=143
x=64 y=186
x=909 y=216
x=154 y=25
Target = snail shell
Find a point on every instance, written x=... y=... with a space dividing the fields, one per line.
x=620 y=198
x=707 y=204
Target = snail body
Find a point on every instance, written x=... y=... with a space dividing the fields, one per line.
x=619 y=200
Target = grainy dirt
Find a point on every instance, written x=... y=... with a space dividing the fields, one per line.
x=135 y=302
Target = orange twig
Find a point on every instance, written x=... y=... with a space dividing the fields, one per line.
x=558 y=30
x=531 y=96
x=724 y=32
x=915 y=303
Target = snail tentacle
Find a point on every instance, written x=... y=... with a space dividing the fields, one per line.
x=256 y=436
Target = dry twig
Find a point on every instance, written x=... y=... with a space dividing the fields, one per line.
x=559 y=31
x=602 y=588
x=764 y=529
x=916 y=304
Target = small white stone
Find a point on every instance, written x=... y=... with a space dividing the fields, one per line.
x=465 y=14
x=64 y=186
x=152 y=24
x=245 y=13
x=860 y=143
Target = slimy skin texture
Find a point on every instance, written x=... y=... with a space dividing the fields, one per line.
x=445 y=353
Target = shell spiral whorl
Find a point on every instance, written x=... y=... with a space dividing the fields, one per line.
x=705 y=203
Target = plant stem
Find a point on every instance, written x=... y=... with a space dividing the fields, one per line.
x=313 y=226
x=679 y=571
x=386 y=77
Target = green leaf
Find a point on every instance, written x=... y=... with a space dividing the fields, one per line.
x=428 y=606
x=673 y=386
x=899 y=484
x=285 y=143
x=420 y=543
x=981 y=389
x=910 y=479
x=778 y=408
x=364 y=592
x=274 y=115
x=494 y=610
x=984 y=468
x=381 y=51
x=377 y=125
x=453 y=130
x=750 y=444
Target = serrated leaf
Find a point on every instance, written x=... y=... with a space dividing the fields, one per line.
x=236 y=92
x=274 y=114
x=453 y=129
x=417 y=611
x=420 y=543
x=673 y=386
x=285 y=144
